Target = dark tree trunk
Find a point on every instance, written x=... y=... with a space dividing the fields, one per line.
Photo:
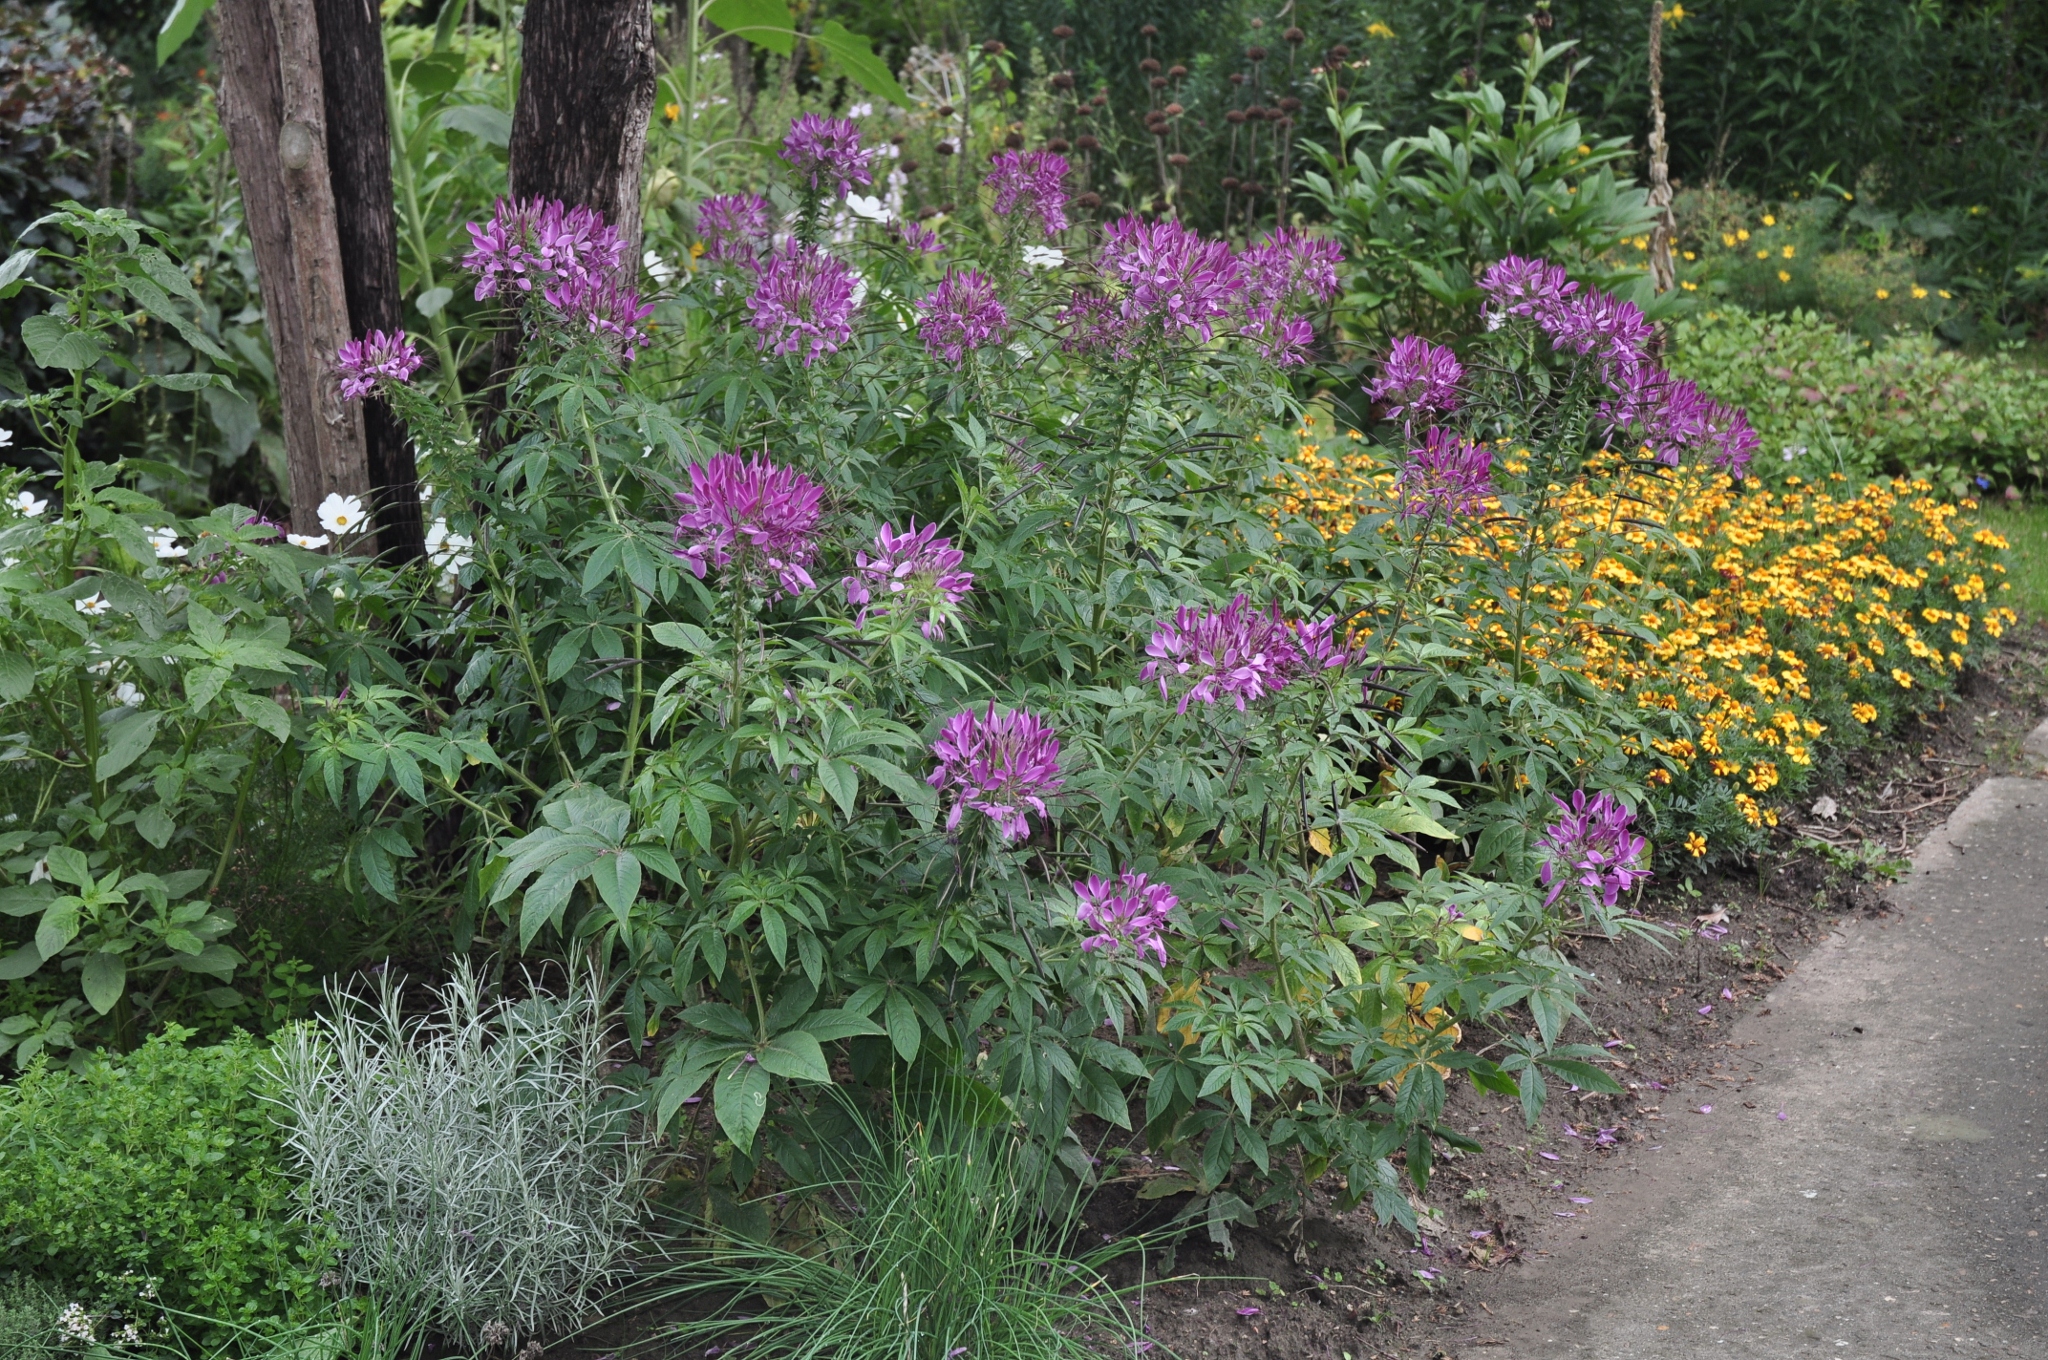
x=579 y=128
x=586 y=89
x=366 y=221
x=274 y=114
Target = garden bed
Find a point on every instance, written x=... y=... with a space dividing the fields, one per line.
x=1342 y=1283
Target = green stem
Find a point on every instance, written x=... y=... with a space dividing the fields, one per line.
x=611 y=510
x=227 y=847
x=415 y=224
x=540 y=688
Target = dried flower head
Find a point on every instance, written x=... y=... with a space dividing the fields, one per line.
x=962 y=314
x=916 y=571
x=1031 y=183
x=752 y=511
x=1003 y=765
x=1125 y=912
x=376 y=357
x=803 y=302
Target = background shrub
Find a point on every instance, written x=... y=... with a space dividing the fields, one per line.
x=161 y=1164
x=28 y=1318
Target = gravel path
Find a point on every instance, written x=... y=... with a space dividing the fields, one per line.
x=1872 y=1179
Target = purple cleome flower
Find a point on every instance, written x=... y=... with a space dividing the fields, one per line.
x=997 y=764
x=1239 y=652
x=1418 y=377
x=1125 y=912
x=962 y=314
x=603 y=307
x=752 y=510
x=1292 y=269
x=919 y=240
x=1447 y=475
x=1591 y=847
x=802 y=302
x=1173 y=278
x=377 y=357
x=1094 y=324
x=827 y=151
x=538 y=244
x=915 y=568
x=1031 y=182
x=736 y=227
x=1679 y=419
x=1519 y=287
x=1283 y=340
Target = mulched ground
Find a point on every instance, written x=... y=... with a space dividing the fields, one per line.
x=1342 y=1287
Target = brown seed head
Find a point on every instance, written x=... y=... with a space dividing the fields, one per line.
x=1062 y=31
x=1293 y=37
x=1255 y=53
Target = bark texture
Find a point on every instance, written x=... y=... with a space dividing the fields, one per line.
x=353 y=79
x=586 y=90
x=274 y=112
x=1663 y=276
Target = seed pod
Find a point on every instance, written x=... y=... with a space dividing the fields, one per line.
x=1290 y=105
x=1293 y=37
x=1149 y=31
x=1340 y=51
x=1178 y=159
x=991 y=47
x=1062 y=32
x=1014 y=141
x=1149 y=64
x=909 y=167
x=1234 y=117
x=1086 y=143
x=1089 y=201
x=945 y=110
x=1159 y=82
x=1178 y=72
x=1230 y=183
x=1255 y=54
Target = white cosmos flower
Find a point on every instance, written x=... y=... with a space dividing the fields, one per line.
x=447 y=549
x=26 y=502
x=165 y=541
x=1044 y=257
x=101 y=668
x=658 y=269
x=341 y=514
x=308 y=540
x=6 y=438
x=92 y=605
x=861 y=110
x=39 y=872
x=127 y=696
x=868 y=206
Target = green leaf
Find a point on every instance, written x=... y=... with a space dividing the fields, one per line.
x=904 y=1031
x=131 y=737
x=53 y=343
x=435 y=73
x=20 y=964
x=11 y=273
x=17 y=677
x=860 y=61
x=264 y=712
x=796 y=1055
x=766 y=22
x=1583 y=1074
x=617 y=880
x=740 y=1099
x=103 y=979
x=829 y=1026
x=178 y=25
x=190 y=382
x=154 y=825
x=58 y=927
x=486 y=124
x=684 y=637
x=430 y=302
x=841 y=782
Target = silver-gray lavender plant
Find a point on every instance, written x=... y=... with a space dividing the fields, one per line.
x=479 y=1158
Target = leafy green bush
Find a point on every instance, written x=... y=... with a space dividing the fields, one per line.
x=28 y=1318
x=1824 y=401
x=161 y=1167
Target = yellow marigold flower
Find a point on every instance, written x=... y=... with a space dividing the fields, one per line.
x=1944 y=292
x=1747 y=806
x=1763 y=254
x=1724 y=768
x=1883 y=293
x=671 y=111
x=1695 y=844
x=1689 y=286
x=1784 y=276
x=1863 y=713
x=1763 y=775
x=1919 y=293
x=1660 y=775
x=1787 y=252
x=1378 y=30
x=1771 y=816
x=1726 y=239
x=1742 y=233
x=1904 y=678
x=1689 y=255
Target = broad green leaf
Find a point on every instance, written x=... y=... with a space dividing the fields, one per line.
x=58 y=927
x=740 y=1099
x=17 y=677
x=20 y=964
x=178 y=26
x=766 y=22
x=154 y=825
x=904 y=1031
x=103 y=979
x=617 y=880
x=483 y=122
x=796 y=1055
x=430 y=302
x=829 y=1026
x=53 y=343
x=684 y=637
x=16 y=268
x=840 y=781
x=264 y=712
x=855 y=53
x=128 y=740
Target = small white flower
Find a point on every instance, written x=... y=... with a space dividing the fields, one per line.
x=341 y=514
x=26 y=502
x=6 y=438
x=101 y=668
x=9 y=563
x=447 y=549
x=658 y=269
x=92 y=606
x=165 y=541
x=127 y=695
x=869 y=207
x=40 y=872
x=861 y=110
x=1044 y=257
x=309 y=541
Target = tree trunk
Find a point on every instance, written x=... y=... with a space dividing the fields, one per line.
x=586 y=90
x=366 y=222
x=274 y=113
x=1663 y=275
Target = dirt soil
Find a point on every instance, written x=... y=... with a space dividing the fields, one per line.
x=1347 y=1289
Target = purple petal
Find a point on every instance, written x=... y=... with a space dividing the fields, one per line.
x=1549 y=1156
x=1706 y=1109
